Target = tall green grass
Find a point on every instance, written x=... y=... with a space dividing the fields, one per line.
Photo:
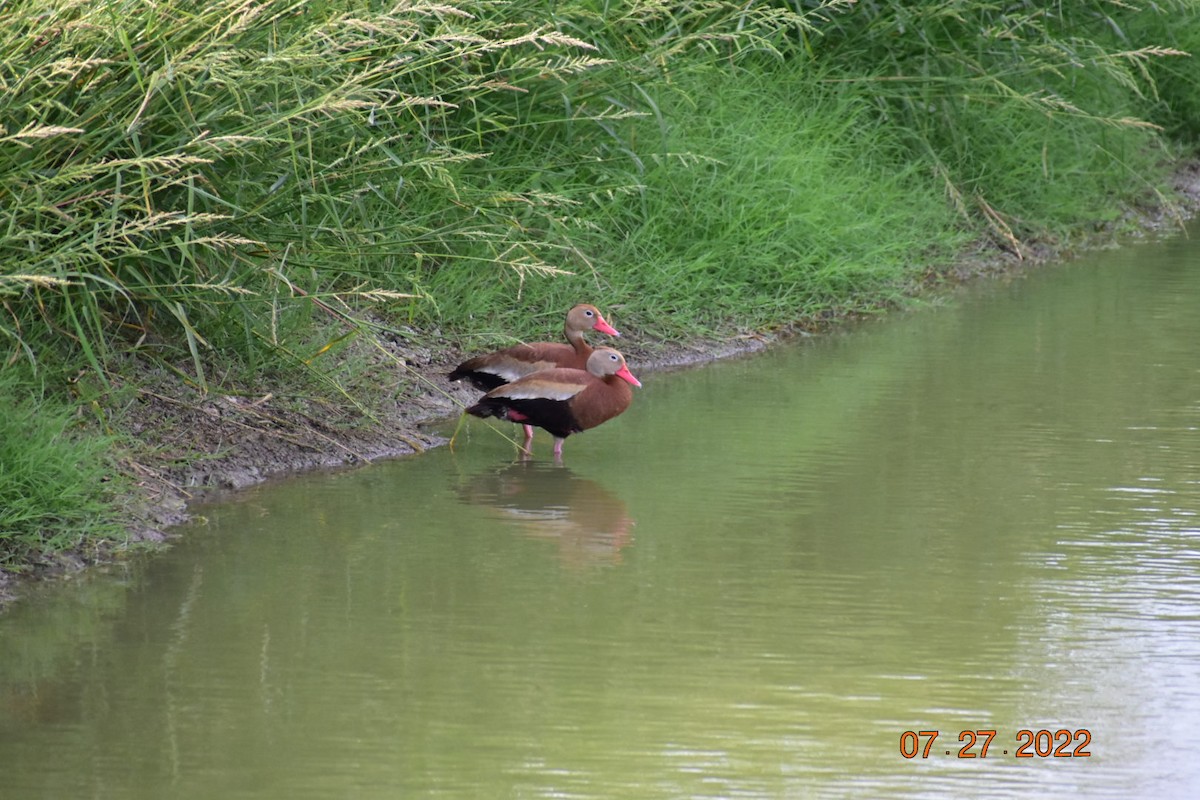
x=1175 y=105
x=798 y=206
x=183 y=179
x=827 y=171
x=179 y=175
x=1034 y=115
x=56 y=483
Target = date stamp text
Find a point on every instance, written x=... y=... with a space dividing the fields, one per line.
x=1062 y=743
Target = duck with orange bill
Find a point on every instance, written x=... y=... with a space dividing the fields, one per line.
x=564 y=401
x=488 y=371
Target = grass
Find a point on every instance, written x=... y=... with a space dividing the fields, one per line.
x=188 y=172
x=245 y=196
x=57 y=485
x=799 y=197
x=1036 y=117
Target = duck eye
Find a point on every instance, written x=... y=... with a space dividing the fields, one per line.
x=589 y=313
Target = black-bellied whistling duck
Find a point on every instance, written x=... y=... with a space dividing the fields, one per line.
x=562 y=400
x=488 y=371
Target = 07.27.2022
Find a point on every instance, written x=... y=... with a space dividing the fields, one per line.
x=1028 y=743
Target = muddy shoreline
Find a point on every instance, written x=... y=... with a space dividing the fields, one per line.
x=199 y=448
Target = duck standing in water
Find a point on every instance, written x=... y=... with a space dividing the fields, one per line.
x=562 y=400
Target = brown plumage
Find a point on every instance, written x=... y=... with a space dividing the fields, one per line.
x=488 y=371
x=563 y=400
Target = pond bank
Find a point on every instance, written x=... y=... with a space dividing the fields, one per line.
x=195 y=447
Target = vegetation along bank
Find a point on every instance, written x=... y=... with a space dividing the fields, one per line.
x=245 y=237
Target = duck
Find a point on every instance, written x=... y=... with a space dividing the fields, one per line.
x=564 y=400
x=490 y=370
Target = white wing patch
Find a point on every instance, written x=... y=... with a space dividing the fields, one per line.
x=542 y=390
x=511 y=371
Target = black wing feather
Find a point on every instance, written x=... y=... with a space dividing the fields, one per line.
x=553 y=416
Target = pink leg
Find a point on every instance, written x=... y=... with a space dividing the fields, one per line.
x=558 y=443
x=528 y=434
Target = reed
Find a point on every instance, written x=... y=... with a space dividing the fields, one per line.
x=1035 y=116
x=179 y=173
x=182 y=179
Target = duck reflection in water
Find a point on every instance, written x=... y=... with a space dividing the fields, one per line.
x=589 y=524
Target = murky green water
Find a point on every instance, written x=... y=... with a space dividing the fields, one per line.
x=981 y=516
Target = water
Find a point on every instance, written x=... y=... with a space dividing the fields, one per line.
x=978 y=516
